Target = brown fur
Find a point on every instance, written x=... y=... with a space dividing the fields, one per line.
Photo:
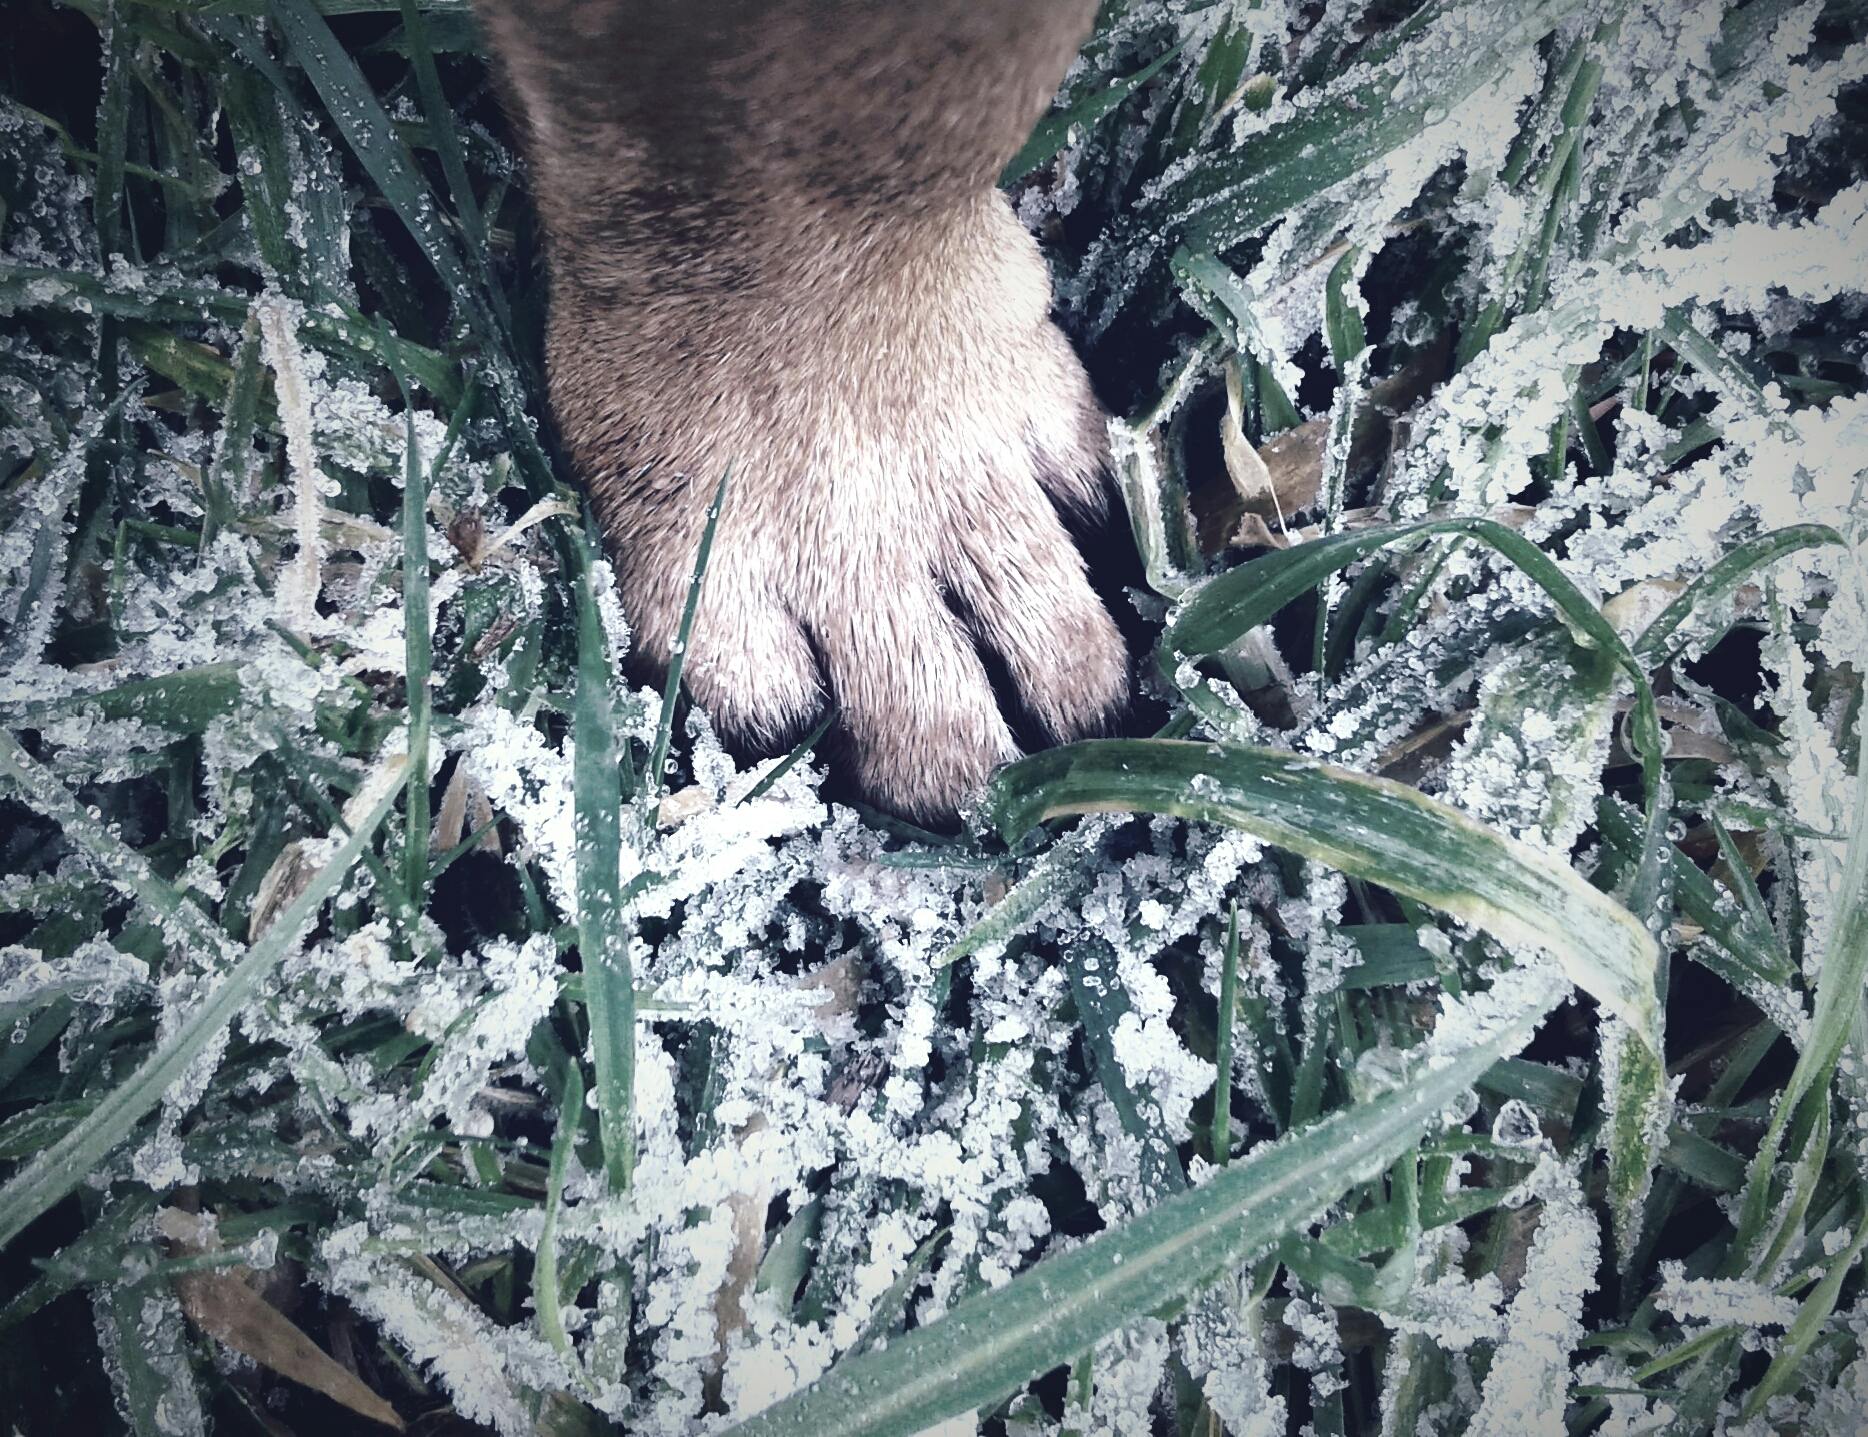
x=774 y=242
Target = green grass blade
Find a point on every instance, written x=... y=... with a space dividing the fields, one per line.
x=654 y=779
x=1061 y=867
x=1638 y=1099
x=1060 y=1308
x=418 y=662
x=141 y=1330
x=1232 y=195
x=1342 y=315
x=1234 y=603
x=1368 y=827
x=440 y=116
x=1219 y=1133
x=1838 y=1003
x=1053 y=132
x=546 y=1296
x=169 y=299
x=1715 y=587
x=602 y=925
x=113 y=119
x=366 y=126
x=64 y=1165
x=352 y=103
x=791 y=760
x=1101 y=1003
x=233 y=449
x=1787 y=1369
x=183 y=702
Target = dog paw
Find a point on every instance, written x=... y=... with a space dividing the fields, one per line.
x=901 y=422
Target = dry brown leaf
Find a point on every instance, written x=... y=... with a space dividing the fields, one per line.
x=229 y=1311
x=451 y=817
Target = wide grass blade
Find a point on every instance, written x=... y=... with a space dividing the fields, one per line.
x=1053 y=132
x=1371 y=828
x=1062 y=1307
x=1226 y=608
x=602 y=924
x=141 y=1330
x=1229 y=196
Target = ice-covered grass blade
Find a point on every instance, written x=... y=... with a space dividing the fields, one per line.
x=63 y=1165
x=1369 y=827
x=1046 y=1316
x=1698 y=603
x=1355 y=126
x=603 y=927
x=418 y=663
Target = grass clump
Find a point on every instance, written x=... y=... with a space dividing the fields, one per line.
x=1449 y=1020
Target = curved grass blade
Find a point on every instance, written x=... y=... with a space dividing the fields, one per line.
x=1228 y=607
x=1049 y=1315
x=63 y=1165
x=1721 y=581
x=1368 y=827
x=1836 y=1010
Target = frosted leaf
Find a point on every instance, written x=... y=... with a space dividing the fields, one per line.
x=485 y=1369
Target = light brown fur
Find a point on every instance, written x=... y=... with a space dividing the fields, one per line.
x=774 y=243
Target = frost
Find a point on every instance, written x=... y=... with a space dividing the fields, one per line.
x=94 y=972
x=843 y=1132
x=1527 y=1388
x=298 y=596
x=1452 y=1311
x=1129 y=1371
x=1224 y=1348
x=485 y=1368
x=1722 y=1300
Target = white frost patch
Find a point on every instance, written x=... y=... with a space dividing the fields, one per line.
x=1527 y=1388
x=1722 y=1300
x=299 y=585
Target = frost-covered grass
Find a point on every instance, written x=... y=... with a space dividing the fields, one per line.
x=406 y=1017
